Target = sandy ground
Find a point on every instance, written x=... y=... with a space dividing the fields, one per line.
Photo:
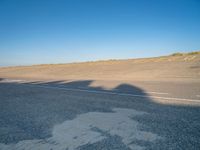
x=168 y=68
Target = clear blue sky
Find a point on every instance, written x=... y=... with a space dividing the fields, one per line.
x=59 y=31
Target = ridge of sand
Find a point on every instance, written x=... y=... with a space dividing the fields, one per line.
x=174 y=67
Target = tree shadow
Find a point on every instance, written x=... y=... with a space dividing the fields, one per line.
x=29 y=112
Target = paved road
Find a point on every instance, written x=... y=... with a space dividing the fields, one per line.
x=76 y=115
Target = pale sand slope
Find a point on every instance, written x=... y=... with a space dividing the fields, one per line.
x=167 y=68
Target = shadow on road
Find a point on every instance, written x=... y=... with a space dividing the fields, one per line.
x=28 y=112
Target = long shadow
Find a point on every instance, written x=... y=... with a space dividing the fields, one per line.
x=28 y=112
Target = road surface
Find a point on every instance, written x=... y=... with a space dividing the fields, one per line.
x=87 y=115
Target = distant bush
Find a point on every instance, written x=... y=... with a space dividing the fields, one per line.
x=177 y=54
x=182 y=54
x=194 y=53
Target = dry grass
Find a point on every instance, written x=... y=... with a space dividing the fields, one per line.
x=194 y=53
x=177 y=54
x=185 y=54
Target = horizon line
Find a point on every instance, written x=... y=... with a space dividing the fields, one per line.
x=104 y=60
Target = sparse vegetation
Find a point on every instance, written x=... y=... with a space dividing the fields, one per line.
x=177 y=54
x=182 y=54
x=194 y=53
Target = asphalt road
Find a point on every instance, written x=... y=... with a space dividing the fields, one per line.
x=75 y=115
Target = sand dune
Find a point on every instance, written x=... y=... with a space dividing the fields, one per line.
x=174 y=67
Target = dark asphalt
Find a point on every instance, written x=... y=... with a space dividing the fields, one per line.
x=30 y=111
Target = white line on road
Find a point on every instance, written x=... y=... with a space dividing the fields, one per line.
x=10 y=81
x=157 y=93
x=115 y=93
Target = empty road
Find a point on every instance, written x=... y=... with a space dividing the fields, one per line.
x=88 y=115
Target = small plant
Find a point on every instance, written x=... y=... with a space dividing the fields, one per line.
x=194 y=53
x=177 y=54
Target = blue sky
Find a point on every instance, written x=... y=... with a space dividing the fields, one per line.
x=61 y=31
